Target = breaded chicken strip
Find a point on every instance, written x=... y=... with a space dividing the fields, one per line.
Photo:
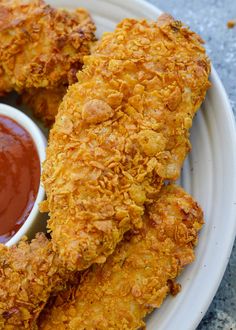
x=41 y=46
x=120 y=132
x=44 y=102
x=138 y=276
x=29 y=273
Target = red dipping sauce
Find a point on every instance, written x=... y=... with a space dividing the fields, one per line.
x=19 y=176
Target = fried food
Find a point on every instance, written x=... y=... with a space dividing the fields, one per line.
x=29 y=274
x=41 y=47
x=120 y=132
x=44 y=102
x=138 y=276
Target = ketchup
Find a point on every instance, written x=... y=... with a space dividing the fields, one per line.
x=19 y=176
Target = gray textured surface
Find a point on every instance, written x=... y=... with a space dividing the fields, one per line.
x=209 y=18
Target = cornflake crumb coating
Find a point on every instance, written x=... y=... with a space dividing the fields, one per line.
x=41 y=46
x=44 y=102
x=138 y=276
x=29 y=274
x=120 y=132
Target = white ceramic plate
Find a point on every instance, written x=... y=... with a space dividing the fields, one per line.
x=208 y=174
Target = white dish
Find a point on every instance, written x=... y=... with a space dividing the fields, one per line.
x=34 y=223
x=208 y=174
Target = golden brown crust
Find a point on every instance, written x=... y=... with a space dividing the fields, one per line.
x=41 y=46
x=44 y=102
x=29 y=273
x=138 y=276
x=231 y=23
x=120 y=132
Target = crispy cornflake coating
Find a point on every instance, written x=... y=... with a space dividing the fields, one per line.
x=41 y=46
x=138 y=276
x=120 y=132
x=44 y=102
x=29 y=273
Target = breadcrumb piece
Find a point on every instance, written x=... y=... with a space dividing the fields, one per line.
x=231 y=23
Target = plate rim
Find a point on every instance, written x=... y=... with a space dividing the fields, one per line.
x=228 y=111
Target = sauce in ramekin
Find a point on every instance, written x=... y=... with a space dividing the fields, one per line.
x=19 y=176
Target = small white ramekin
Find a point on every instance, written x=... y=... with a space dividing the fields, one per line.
x=36 y=221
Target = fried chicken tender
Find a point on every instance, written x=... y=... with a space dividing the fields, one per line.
x=29 y=273
x=44 y=102
x=120 y=132
x=41 y=47
x=138 y=276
